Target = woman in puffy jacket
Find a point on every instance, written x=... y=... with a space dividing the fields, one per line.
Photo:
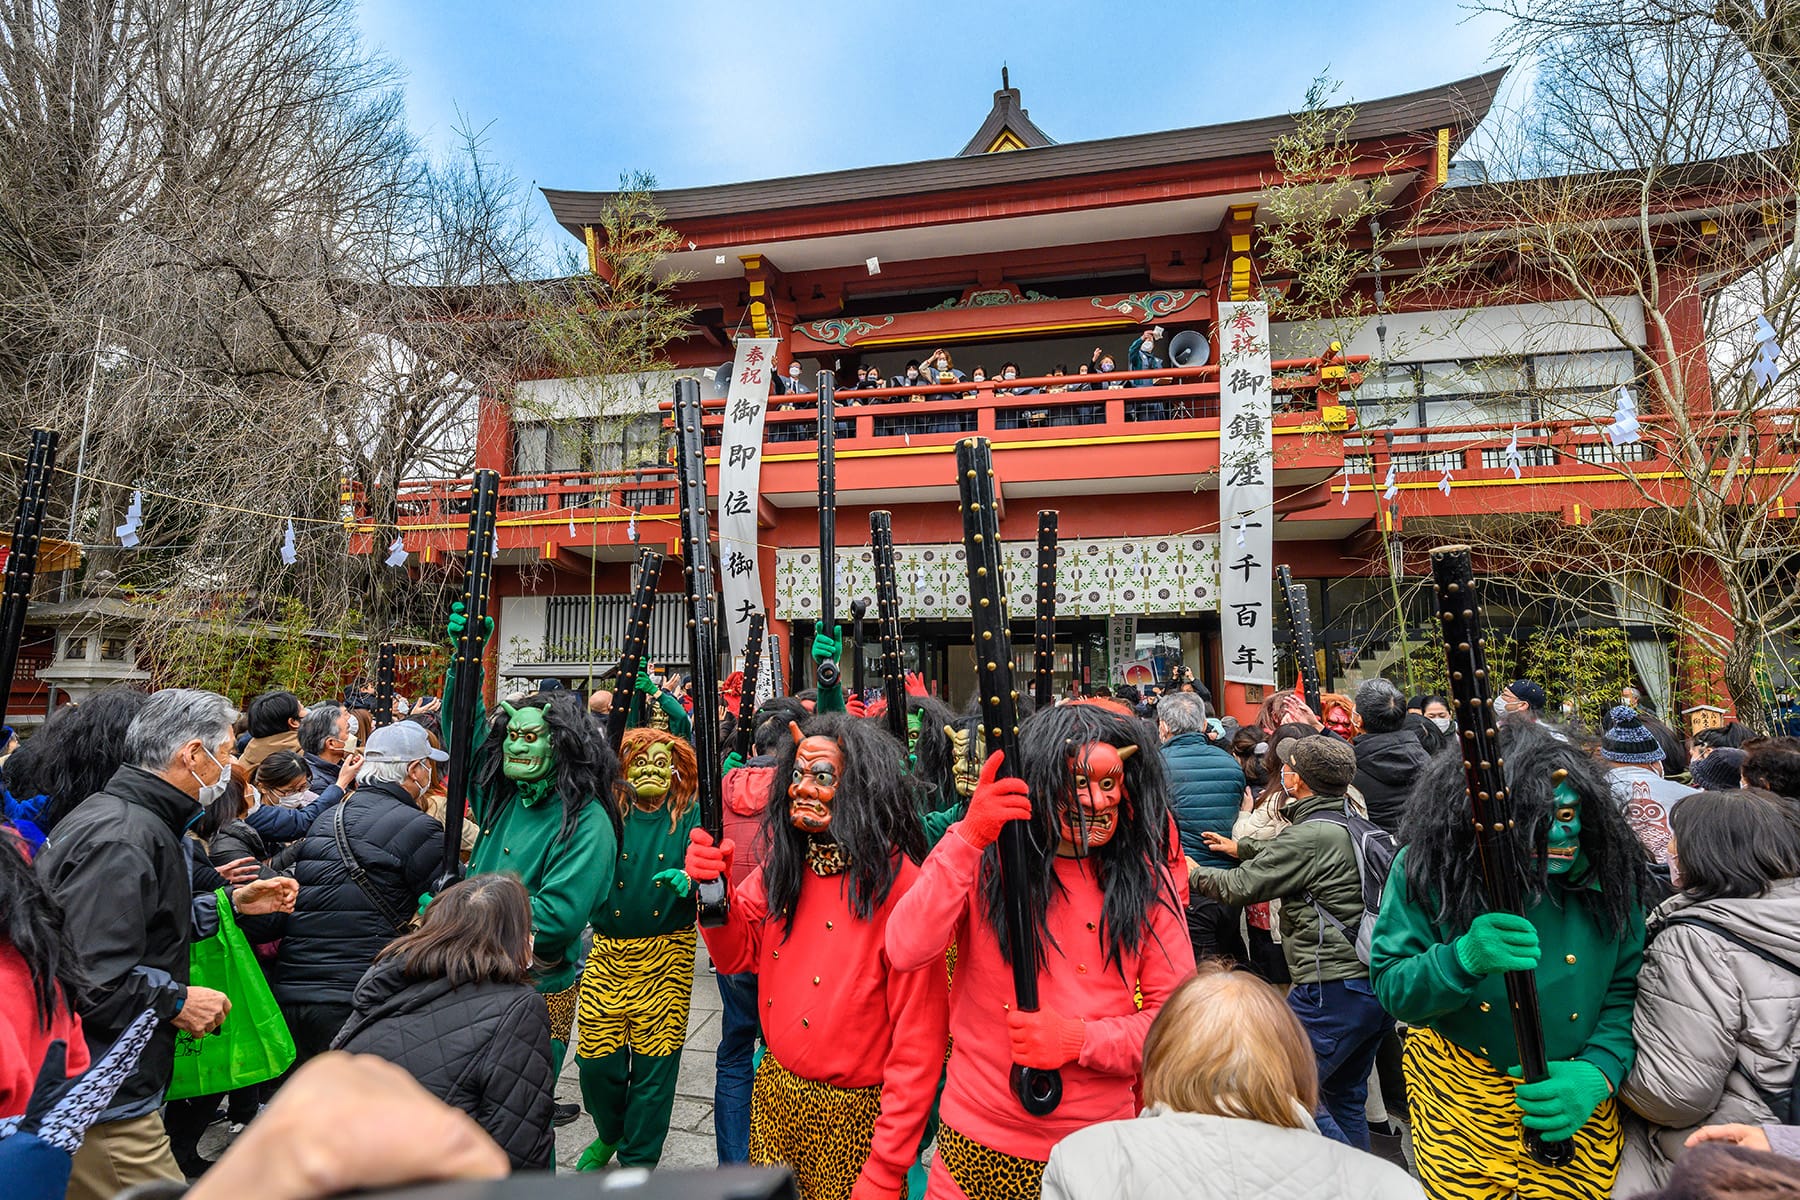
x=452 y=1003
x=1717 y=1021
x=1230 y=1086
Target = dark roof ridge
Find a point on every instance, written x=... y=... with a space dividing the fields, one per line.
x=1460 y=104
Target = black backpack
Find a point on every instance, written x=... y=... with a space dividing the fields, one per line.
x=1375 y=850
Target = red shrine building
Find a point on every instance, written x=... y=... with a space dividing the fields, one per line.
x=1048 y=260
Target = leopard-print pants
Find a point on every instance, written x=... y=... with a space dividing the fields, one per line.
x=986 y=1174
x=562 y=1011
x=821 y=1132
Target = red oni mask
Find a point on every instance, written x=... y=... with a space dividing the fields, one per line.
x=1088 y=821
x=818 y=764
x=1340 y=722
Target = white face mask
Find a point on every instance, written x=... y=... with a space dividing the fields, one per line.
x=1012 y=374
x=1443 y=723
x=1500 y=705
x=211 y=793
x=793 y=372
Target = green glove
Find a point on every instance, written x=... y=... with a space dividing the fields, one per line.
x=459 y=621
x=645 y=683
x=1559 y=1106
x=676 y=878
x=827 y=647
x=733 y=761
x=1498 y=942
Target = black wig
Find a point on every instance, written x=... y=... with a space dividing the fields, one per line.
x=587 y=770
x=934 y=756
x=75 y=752
x=874 y=817
x=1131 y=867
x=31 y=921
x=1439 y=834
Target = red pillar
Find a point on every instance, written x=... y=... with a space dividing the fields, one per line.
x=1682 y=355
x=1705 y=604
x=493 y=434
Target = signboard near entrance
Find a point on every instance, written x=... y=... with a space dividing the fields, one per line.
x=1246 y=493
x=740 y=485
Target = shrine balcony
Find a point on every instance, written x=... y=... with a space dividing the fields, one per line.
x=896 y=446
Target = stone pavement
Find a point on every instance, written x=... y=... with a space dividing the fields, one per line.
x=690 y=1141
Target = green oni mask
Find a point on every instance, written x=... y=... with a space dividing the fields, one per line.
x=528 y=754
x=651 y=773
x=1565 y=830
x=912 y=732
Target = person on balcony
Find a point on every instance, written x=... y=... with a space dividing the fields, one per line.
x=938 y=367
x=1104 y=363
x=1143 y=356
x=1008 y=373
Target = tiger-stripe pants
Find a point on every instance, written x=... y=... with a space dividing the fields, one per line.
x=633 y=1015
x=1468 y=1141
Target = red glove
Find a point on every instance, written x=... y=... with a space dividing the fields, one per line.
x=862 y=1189
x=1043 y=1039
x=855 y=707
x=915 y=684
x=704 y=860
x=995 y=802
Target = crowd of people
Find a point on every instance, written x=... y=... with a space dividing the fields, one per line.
x=1265 y=961
x=938 y=370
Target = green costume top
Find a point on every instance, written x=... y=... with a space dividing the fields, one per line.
x=564 y=876
x=679 y=723
x=1587 y=980
x=637 y=904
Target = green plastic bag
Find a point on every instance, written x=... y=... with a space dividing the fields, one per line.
x=253 y=1043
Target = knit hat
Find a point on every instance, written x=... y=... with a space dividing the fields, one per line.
x=1531 y=693
x=1326 y=764
x=1626 y=740
x=1720 y=771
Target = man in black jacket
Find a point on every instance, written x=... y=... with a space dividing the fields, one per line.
x=1206 y=790
x=357 y=897
x=1389 y=756
x=118 y=867
x=324 y=741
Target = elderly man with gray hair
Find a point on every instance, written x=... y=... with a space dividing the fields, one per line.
x=1206 y=789
x=1389 y=756
x=118 y=867
x=362 y=868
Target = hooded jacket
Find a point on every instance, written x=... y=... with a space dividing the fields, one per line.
x=1165 y=1155
x=1305 y=856
x=1716 y=1024
x=118 y=866
x=1206 y=789
x=745 y=798
x=481 y=1047
x=335 y=930
x=1387 y=765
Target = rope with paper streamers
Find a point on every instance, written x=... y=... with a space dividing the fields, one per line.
x=128 y=532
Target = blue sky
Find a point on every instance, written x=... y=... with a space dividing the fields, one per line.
x=700 y=92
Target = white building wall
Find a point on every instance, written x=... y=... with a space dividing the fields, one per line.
x=1503 y=329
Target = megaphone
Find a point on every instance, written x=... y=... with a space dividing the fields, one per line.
x=718 y=381
x=1191 y=348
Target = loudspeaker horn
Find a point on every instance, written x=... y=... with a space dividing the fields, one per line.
x=1190 y=348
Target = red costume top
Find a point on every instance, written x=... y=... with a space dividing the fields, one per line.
x=836 y=1011
x=978 y=1101
x=23 y=1042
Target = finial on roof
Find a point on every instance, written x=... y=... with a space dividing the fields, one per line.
x=1004 y=84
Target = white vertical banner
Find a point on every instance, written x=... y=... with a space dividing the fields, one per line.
x=1246 y=493
x=1121 y=643
x=740 y=484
